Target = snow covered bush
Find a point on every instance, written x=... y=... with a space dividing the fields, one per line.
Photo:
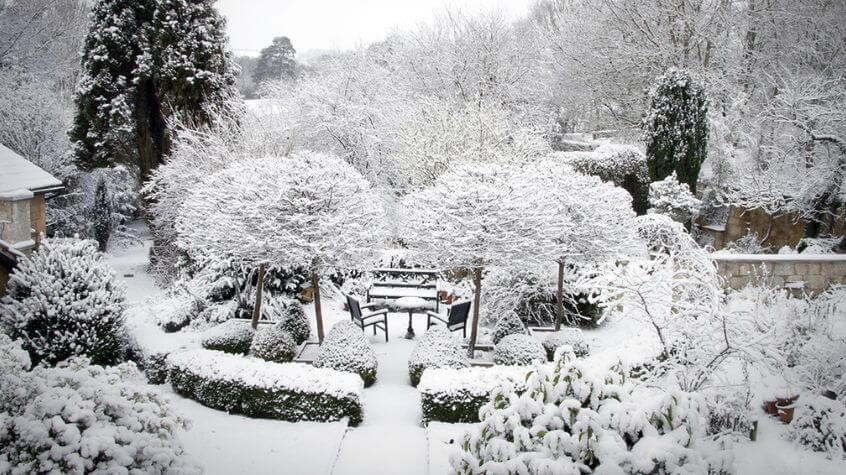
x=457 y=394
x=347 y=349
x=82 y=418
x=290 y=315
x=256 y=388
x=518 y=350
x=674 y=199
x=273 y=343
x=531 y=295
x=180 y=310
x=820 y=425
x=232 y=336
x=623 y=165
x=508 y=324
x=437 y=348
x=572 y=419
x=730 y=412
x=571 y=337
x=64 y=301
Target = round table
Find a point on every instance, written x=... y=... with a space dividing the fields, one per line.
x=410 y=305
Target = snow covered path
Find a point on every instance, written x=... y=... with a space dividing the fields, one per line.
x=391 y=439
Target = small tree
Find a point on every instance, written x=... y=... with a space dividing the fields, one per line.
x=585 y=220
x=475 y=215
x=102 y=215
x=676 y=128
x=310 y=211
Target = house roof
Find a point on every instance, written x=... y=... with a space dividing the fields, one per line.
x=18 y=173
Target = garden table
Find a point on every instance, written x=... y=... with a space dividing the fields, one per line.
x=410 y=305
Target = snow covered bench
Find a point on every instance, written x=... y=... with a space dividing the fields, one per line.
x=456 y=395
x=257 y=388
x=390 y=284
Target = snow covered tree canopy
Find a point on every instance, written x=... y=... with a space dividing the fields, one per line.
x=308 y=210
x=475 y=215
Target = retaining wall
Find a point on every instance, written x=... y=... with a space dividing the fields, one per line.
x=813 y=273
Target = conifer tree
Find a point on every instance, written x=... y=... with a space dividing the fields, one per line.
x=676 y=128
x=276 y=61
x=146 y=61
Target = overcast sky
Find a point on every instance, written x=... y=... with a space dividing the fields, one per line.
x=337 y=24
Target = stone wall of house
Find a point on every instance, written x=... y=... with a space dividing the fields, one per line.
x=38 y=217
x=15 y=219
x=813 y=273
x=784 y=230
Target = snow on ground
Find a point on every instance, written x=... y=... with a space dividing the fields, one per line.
x=391 y=438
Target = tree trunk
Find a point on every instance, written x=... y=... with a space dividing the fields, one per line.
x=315 y=288
x=259 y=288
x=151 y=132
x=559 y=300
x=477 y=297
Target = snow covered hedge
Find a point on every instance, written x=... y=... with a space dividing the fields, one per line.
x=820 y=425
x=518 y=350
x=623 y=165
x=568 y=419
x=456 y=395
x=347 y=349
x=508 y=324
x=256 y=388
x=572 y=337
x=82 y=418
x=232 y=336
x=290 y=314
x=437 y=348
x=273 y=343
x=64 y=301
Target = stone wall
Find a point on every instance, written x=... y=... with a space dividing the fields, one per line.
x=813 y=273
x=15 y=219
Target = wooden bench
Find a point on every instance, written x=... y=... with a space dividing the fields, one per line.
x=390 y=284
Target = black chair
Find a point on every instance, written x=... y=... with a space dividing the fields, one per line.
x=378 y=319
x=456 y=317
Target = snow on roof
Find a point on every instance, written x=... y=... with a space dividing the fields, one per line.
x=17 y=172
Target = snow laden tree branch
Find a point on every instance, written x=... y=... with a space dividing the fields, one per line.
x=583 y=220
x=309 y=210
x=474 y=216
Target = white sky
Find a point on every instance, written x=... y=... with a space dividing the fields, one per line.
x=338 y=24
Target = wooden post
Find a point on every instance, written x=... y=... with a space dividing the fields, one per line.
x=259 y=288
x=315 y=290
x=559 y=304
x=477 y=282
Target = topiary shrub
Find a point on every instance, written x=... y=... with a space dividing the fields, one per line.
x=518 y=350
x=82 y=418
x=456 y=394
x=345 y=348
x=232 y=336
x=820 y=425
x=571 y=337
x=509 y=324
x=63 y=301
x=569 y=419
x=290 y=314
x=623 y=165
x=287 y=391
x=273 y=343
x=437 y=348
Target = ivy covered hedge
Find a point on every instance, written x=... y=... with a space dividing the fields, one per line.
x=287 y=391
x=456 y=395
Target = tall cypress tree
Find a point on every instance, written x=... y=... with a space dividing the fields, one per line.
x=676 y=128
x=146 y=61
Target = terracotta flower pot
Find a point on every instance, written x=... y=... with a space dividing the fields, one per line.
x=786 y=407
x=770 y=407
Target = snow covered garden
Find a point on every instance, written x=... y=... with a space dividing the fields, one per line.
x=468 y=248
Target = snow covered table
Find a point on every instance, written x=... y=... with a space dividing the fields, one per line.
x=410 y=305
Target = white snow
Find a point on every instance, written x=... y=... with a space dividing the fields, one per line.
x=19 y=173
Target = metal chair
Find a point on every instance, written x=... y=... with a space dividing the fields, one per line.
x=371 y=319
x=456 y=317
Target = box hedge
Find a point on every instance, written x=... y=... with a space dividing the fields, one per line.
x=456 y=395
x=287 y=391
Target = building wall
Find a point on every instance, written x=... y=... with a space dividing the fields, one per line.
x=16 y=221
x=813 y=273
x=38 y=217
x=779 y=231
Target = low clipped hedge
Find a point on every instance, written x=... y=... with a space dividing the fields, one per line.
x=456 y=395
x=347 y=349
x=287 y=391
x=232 y=336
x=437 y=348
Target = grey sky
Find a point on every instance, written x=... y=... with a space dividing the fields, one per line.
x=338 y=24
